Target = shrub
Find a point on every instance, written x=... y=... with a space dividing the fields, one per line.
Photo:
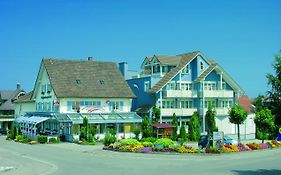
x=158 y=147
x=137 y=133
x=147 y=144
x=90 y=138
x=125 y=142
x=12 y=133
x=166 y=143
x=109 y=139
x=42 y=139
x=212 y=150
x=53 y=140
x=19 y=138
x=149 y=139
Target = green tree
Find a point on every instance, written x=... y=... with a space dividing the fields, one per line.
x=84 y=129
x=258 y=103
x=265 y=123
x=175 y=129
x=183 y=134
x=237 y=115
x=274 y=80
x=155 y=114
x=210 y=119
x=145 y=127
x=194 y=127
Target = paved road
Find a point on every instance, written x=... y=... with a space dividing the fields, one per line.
x=68 y=159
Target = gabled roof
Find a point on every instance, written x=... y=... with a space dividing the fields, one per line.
x=25 y=98
x=168 y=60
x=7 y=98
x=88 y=79
x=216 y=66
x=185 y=59
x=245 y=103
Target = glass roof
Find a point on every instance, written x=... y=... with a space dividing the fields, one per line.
x=77 y=118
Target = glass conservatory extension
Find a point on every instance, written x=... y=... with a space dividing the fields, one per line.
x=67 y=125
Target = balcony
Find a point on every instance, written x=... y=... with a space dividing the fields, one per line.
x=218 y=93
x=178 y=112
x=222 y=111
x=181 y=94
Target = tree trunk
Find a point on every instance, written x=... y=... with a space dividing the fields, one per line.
x=238 y=128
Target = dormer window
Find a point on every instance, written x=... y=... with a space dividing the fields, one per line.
x=101 y=82
x=78 y=82
x=201 y=65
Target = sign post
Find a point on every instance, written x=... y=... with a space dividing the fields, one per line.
x=218 y=139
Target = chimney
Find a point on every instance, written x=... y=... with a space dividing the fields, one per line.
x=18 y=86
x=123 y=67
x=90 y=58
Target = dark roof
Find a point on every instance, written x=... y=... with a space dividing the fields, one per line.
x=185 y=59
x=169 y=60
x=143 y=109
x=25 y=98
x=7 y=98
x=78 y=78
x=245 y=103
x=162 y=125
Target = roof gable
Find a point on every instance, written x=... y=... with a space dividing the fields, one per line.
x=185 y=59
x=88 y=79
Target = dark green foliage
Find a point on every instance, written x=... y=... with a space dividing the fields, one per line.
x=12 y=133
x=90 y=138
x=237 y=115
x=210 y=119
x=83 y=133
x=42 y=139
x=137 y=133
x=258 y=103
x=146 y=128
x=149 y=139
x=175 y=129
x=93 y=130
x=274 y=80
x=166 y=143
x=54 y=140
x=265 y=123
x=183 y=135
x=155 y=114
x=194 y=127
x=109 y=139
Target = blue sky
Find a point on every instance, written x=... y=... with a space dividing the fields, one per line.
x=242 y=36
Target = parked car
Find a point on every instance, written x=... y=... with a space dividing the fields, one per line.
x=229 y=141
x=204 y=141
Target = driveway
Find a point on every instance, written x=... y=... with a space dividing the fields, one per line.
x=68 y=159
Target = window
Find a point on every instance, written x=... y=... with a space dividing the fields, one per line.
x=211 y=102
x=116 y=105
x=187 y=104
x=201 y=65
x=49 y=88
x=43 y=88
x=73 y=105
x=101 y=82
x=210 y=86
x=146 y=86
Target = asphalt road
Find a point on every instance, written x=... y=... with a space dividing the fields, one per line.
x=68 y=159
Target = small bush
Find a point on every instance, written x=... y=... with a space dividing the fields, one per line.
x=158 y=147
x=42 y=139
x=33 y=142
x=129 y=142
x=149 y=139
x=109 y=139
x=165 y=142
x=147 y=144
x=53 y=140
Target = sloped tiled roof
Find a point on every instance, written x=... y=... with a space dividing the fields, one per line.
x=88 y=79
x=25 y=98
x=245 y=103
x=169 y=60
x=7 y=98
x=185 y=59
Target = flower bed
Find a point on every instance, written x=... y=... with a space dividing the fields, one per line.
x=167 y=145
